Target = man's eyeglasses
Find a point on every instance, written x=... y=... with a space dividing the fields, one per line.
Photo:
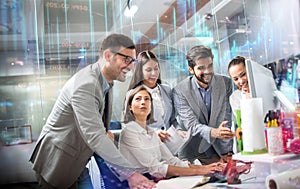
x=128 y=59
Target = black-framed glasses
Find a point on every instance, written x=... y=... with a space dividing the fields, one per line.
x=128 y=59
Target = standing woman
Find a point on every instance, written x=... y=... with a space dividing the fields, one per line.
x=238 y=73
x=147 y=73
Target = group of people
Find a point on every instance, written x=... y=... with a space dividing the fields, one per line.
x=78 y=125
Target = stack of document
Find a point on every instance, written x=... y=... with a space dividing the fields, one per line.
x=176 y=141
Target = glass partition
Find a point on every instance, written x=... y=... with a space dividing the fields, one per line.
x=44 y=42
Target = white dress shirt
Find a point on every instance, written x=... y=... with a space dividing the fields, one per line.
x=143 y=148
x=158 y=108
x=235 y=101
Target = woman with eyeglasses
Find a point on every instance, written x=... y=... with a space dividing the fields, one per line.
x=140 y=144
x=147 y=73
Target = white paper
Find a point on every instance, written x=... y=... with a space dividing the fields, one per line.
x=252 y=124
x=176 y=141
x=186 y=182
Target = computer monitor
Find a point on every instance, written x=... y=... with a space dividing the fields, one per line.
x=262 y=85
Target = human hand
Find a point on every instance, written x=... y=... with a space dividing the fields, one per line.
x=226 y=158
x=164 y=136
x=211 y=168
x=138 y=181
x=110 y=135
x=222 y=132
x=182 y=133
x=246 y=91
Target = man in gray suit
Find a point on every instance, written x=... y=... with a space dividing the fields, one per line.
x=202 y=104
x=78 y=123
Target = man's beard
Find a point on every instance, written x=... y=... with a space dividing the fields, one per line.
x=199 y=78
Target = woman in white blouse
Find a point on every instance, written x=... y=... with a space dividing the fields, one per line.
x=147 y=73
x=238 y=73
x=140 y=144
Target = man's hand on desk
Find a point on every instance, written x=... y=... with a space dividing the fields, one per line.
x=222 y=132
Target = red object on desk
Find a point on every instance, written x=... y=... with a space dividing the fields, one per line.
x=232 y=171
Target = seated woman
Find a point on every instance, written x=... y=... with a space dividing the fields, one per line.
x=147 y=73
x=238 y=73
x=140 y=144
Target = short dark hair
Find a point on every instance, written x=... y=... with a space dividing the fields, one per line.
x=115 y=42
x=236 y=61
x=198 y=52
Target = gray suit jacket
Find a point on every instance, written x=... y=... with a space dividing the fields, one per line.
x=74 y=130
x=193 y=114
x=169 y=111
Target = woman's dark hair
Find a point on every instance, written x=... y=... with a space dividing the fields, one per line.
x=236 y=61
x=130 y=116
x=198 y=52
x=137 y=78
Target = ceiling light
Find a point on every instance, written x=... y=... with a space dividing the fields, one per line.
x=130 y=12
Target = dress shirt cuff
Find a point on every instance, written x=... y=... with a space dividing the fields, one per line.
x=208 y=136
x=185 y=164
x=160 y=171
x=121 y=173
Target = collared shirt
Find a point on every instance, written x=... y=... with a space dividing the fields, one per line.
x=158 y=106
x=206 y=96
x=143 y=148
x=106 y=86
x=235 y=101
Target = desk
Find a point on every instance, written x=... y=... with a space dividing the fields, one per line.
x=264 y=165
x=248 y=181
